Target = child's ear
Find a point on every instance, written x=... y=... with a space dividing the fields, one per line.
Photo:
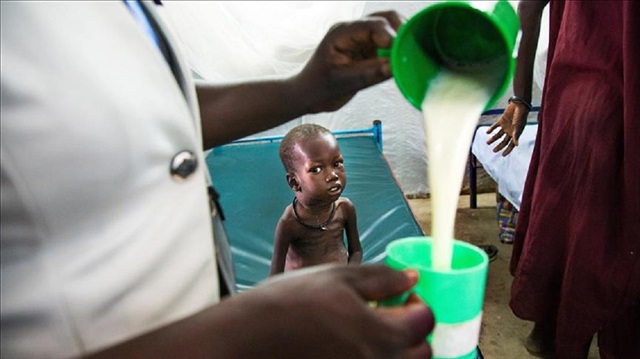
x=293 y=182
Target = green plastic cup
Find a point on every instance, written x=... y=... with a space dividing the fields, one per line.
x=456 y=35
x=455 y=296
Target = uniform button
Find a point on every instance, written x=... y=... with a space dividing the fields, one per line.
x=183 y=164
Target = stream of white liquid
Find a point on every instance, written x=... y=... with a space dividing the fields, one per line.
x=451 y=110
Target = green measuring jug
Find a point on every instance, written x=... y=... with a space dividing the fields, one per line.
x=460 y=36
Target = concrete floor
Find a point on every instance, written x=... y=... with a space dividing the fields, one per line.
x=502 y=334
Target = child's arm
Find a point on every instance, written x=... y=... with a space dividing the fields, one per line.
x=280 y=248
x=353 y=237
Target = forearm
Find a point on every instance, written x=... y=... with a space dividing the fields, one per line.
x=530 y=15
x=235 y=111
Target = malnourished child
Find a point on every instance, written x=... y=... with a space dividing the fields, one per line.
x=311 y=229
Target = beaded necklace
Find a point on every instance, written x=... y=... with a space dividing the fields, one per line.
x=323 y=226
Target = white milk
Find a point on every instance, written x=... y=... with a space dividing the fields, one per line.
x=451 y=109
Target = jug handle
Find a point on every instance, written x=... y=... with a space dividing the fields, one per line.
x=384 y=52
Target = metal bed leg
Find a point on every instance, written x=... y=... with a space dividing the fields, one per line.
x=377 y=133
x=473 y=190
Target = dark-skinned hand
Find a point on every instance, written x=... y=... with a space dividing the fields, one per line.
x=318 y=312
x=324 y=312
x=346 y=60
x=511 y=125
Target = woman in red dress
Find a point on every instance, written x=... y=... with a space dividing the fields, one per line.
x=576 y=252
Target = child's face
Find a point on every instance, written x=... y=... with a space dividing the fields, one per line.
x=320 y=174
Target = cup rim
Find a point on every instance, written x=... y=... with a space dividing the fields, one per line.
x=403 y=241
x=502 y=30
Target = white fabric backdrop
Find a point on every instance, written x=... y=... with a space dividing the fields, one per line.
x=233 y=41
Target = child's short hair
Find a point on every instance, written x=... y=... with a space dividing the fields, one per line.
x=295 y=135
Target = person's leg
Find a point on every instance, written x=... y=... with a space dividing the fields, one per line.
x=620 y=339
x=540 y=341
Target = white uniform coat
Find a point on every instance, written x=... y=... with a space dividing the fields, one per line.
x=99 y=242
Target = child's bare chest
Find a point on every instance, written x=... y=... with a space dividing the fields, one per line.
x=313 y=240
